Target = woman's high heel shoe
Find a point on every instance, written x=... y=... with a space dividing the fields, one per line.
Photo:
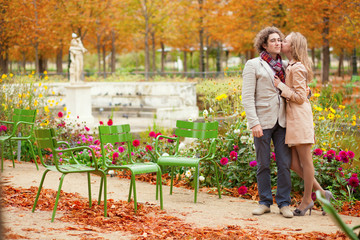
x=328 y=196
x=299 y=212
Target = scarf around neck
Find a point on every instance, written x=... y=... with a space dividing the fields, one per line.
x=274 y=64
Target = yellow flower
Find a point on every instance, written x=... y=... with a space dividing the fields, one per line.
x=51 y=105
x=332 y=110
x=353 y=123
x=24 y=95
x=27 y=108
x=321 y=118
x=346 y=115
x=330 y=116
x=34 y=89
x=40 y=95
x=45 y=72
x=354 y=117
x=60 y=99
x=53 y=93
x=19 y=95
x=46 y=109
x=39 y=84
x=4 y=76
x=11 y=75
x=221 y=97
x=338 y=116
x=243 y=114
x=326 y=109
x=36 y=102
x=65 y=109
x=45 y=87
x=341 y=107
x=33 y=72
x=30 y=76
x=316 y=95
x=240 y=97
x=53 y=101
x=20 y=102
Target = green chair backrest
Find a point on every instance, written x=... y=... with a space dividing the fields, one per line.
x=45 y=138
x=115 y=134
x=25 y=115
x=197 y=129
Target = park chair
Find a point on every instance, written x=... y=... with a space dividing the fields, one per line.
x=195 y=130
x=67 y=163
x=336 y=218
x=121 y=134
x=355 y=78
x=22 y=130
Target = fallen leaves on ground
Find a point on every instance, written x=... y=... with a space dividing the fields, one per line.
x=148 y=223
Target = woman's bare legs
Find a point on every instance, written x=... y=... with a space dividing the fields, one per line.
x=296 y=167
x=305 y=158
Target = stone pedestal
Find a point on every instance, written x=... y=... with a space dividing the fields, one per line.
x=78 y=103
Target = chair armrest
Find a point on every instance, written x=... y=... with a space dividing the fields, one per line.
x=7 y=122
x=177 y=139
x=67 y=145
x=212 y=148
x=79 y=149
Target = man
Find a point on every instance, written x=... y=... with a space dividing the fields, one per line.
x=265 y=112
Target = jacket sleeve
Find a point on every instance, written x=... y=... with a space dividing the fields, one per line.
x=248 y=94
x=296 y=92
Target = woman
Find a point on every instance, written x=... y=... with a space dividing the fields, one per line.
x=299 y=118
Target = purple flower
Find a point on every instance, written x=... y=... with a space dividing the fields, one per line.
x=252 y=163
x=242 y=190
x=224 y=161
x=318 y=152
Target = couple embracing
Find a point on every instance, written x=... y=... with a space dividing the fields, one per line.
x=275 y=98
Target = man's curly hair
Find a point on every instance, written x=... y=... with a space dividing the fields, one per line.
x=263 y=36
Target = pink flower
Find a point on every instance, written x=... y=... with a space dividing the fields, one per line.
x=110 y=122
x=354 y=182
x=242 y=190
x=148 y=147
x=101 y=122
x=136 y=143
x=273 y=156
x=343 y=154
x=3 y=128
x=318 y=152
x=313 y=196
x=97 y=142
x=236 y=148
x=115 y=156
x=351 y=154
x=345 y=159
x=354 y=175
x=233 y=155
x=252 y=163
x=121 y=149
x=87 y=129
x=152 y=134
x=331 y=153
x=159 y=133
x=340 y=168
x=170 y=140
x=224 y=161
x=60 y=114
x=338 y=158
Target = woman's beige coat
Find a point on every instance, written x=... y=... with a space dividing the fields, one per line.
x=299 y=118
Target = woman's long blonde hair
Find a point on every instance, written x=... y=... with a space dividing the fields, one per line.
x=299 y=52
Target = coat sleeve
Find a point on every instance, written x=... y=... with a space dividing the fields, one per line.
x=248 y=93
x=296 y=92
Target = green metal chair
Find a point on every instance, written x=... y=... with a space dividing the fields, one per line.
x=197 y=130
x=22 y=130
x=121 y=133
x=67 y=163
x=336 y=218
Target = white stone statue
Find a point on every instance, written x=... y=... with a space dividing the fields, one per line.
x=77 y=51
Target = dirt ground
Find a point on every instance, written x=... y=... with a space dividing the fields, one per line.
x=209 y=211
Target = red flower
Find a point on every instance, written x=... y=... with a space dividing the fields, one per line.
x=318 y=152
x=273 y=156
x=148 y=147
x=236 y=148
x=159 y=133
x=354 y=182
x=97 y=142
x=101 y=122
x=60 y=114
x=136 y=143
x=115 y=156
x=170 y=140
x=3 y=128
x=351 y=154
x=110 y=122
x=233 y=155
x=242 y=190
x=224 y=161
x=87 y=129
x=252 y=163
x=152 y=134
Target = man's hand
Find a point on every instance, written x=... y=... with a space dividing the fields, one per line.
x=276 y=81
x=257 y=131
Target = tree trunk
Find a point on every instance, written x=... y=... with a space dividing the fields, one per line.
x=4 y=59
x=185 y=63
x=326 y=51
x=313 y=59
x=218 y=58
x=146 y=40
x=41 y=64
x=207 y=54
x=98 y=53
x=36 y=58
x=59 y=56
x=201 y=38
x=341 y=63
x=153 y=53
x=24 y=62
x=354 y=63
x=113 y=52
x=163 y=54
x=104 y=59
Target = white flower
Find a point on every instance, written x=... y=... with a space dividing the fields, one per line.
x=188 y=174
x=210 y=110
x=190 y=119
x=237 y=131
x=250 y=141
x=205 y=113
x=111 y=172
x=165 y=155
x=243 y=139
x=201 y=178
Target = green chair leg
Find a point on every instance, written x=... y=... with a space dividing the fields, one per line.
x=130 y=189
x=100 y=191
x=12 y=153
x=172 y=180
x=159 y=185
x=105 y=194
x=2 y=156
x=33 y=154
x=134 y=186
x=57 y=197
x=196 y=183
x=89 y=189
x=39 y=190
x=217 y=179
